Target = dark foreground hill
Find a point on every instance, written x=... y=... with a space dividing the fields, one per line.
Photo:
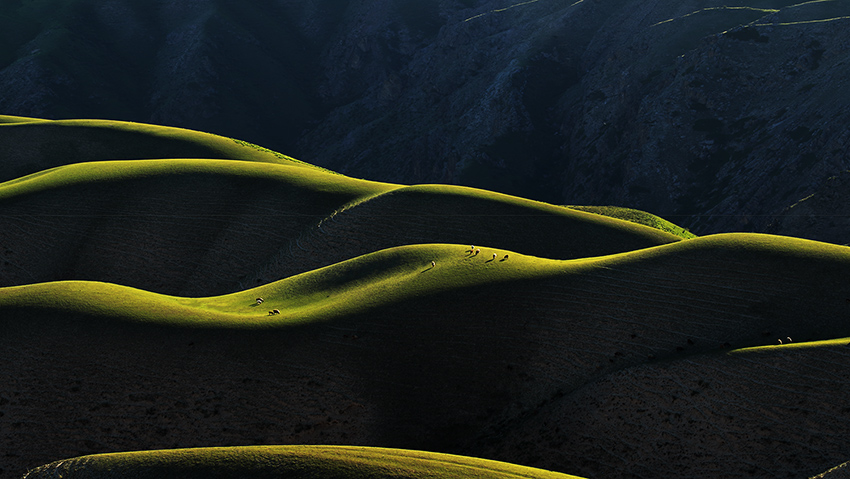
x=612 y=367
x=718 y=115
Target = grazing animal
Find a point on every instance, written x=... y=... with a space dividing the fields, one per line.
x=276 y=311
x=271 y=313
x=476 y=252
x=494 y=255
x=260 y=300
x=506 y=257
x=780 y=341
x=433 y=263
x=789 y=339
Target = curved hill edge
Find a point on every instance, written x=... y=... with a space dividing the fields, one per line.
x=176 y=226
x=450 y=214
x=212 y=226
x=7 y=119
x=401 y=273
x=651 y=233
x=29 y=145
x=636 y=216
x=116 y=170
x=294 y=461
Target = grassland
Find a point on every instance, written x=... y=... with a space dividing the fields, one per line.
x=31 y=145
x=288 y=461
x=428 y=318
x=211 y=226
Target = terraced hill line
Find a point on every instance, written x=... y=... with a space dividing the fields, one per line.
x=29 y=145
x=205 y=227
x=261 y=462
x=778 y=412
x=449 y=358
x=424 y=214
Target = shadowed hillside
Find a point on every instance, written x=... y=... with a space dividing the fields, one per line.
x=449 y=214
x=466 y=357
x=200 y=227
x=778 y=412
x=175 y=226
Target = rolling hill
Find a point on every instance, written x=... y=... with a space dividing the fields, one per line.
x=295 y=462
x=716 y=115
x=416 y=318
x=216 y=226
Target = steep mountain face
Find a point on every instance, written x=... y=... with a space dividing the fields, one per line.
x=718 y=117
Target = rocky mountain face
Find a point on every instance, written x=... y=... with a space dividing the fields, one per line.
x=715 y=117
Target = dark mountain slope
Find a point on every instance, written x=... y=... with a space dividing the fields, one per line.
x=824 y=214
x=443 y=368
x=716 y=116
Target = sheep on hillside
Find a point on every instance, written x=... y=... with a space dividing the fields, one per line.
x=273 y=312
x=476 y=252
x=260 y=300
x=433 y=263
x=494 y=256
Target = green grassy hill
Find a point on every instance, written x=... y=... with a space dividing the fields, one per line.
x=199 y=227
x=294 y=462
x=30 y=145
x=385 y=349
x=428 y=317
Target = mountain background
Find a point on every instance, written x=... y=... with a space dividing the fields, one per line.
x=719 y=118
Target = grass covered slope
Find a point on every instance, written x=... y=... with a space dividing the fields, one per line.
x=457 y=215
x=639 y=217
x=195 y=227
x=386 y=350
x=29 y=145
x=199 y=227
x=294 y=462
